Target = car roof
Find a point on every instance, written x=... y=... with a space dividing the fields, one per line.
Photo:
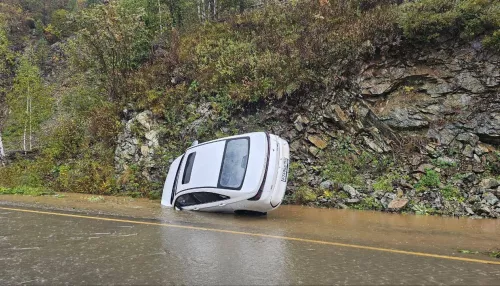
x=208 y=161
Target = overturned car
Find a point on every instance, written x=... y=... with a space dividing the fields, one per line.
x=244 y=173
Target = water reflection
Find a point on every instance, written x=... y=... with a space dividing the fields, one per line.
x=210 y=257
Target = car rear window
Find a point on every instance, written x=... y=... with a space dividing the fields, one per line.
x=189 y=168
x=234 y=163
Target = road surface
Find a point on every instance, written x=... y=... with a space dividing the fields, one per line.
x=294 y=245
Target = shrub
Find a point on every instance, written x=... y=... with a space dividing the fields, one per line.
x=385 y=183
x=368 y=203
x=304 y=195
x=425 y=20
x=270 y=53
x=24 y=173
x=25 y=190
x=66 y=140
x=86 y=175
x=431 y=179
x=450 y=192
x=422 y=209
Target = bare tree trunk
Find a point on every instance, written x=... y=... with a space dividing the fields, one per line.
x=2 y=151
x=26 y=123
x=31 y=134
x=159 y=14
x=215 y=9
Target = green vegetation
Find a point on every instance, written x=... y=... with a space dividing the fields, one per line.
x=368 y=203
x=422 y=209
x=426 y=20
x=431 y=179
x=66 y=101
x=494 y=253
x=29 y=101
x=95 y=199
x=304 y=195
x=491 y=253
x=443 y=164
x=24 y=190
x=467 y=251
x=385 y=182
x=295 y=167
x=450 y=192
x=344 y=164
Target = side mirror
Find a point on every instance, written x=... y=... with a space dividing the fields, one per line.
x=195 y=142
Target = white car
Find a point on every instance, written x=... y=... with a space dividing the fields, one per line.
x=244 y=173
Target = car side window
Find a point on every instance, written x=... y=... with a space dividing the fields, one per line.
x=189 y=168
x=198 y=199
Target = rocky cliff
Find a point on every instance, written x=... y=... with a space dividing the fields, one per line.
x=415 y=129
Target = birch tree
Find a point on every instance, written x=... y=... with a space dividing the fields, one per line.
x=6 y=60
x=29 y=101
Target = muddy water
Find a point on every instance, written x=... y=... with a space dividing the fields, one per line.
x=440 y=235
x=42 y=248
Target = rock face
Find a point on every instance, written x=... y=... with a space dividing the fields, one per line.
x=137 y=146
x=429 y=119
x=446 y=92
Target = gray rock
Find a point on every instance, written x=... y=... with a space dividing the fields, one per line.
x=467 y=81
x=387 y=198
x=439 y=88
x=488 y=127
x=457 y=100
x=144 y=118
x=326 y=185
x=352 y=201
x=468 y=138
x=481 y=150
x=298 y=126
x=485 y=209
x=405 y=119
x=468 y=151
x=477 y=159
x=372 y=145
x=351 y=191
x=474 y=199
x=144 y=150
x=445 y=135
x=446 y=161
x=152 y=136
x=490 y=198
x=300 y=122
x=489 y=183
x=469 y=178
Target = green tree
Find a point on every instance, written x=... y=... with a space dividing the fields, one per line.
x=6 y=60
x=29 y=100
x=111 y=42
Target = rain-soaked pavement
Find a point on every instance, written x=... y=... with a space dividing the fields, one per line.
x=61 y=241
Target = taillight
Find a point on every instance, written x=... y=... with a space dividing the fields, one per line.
x=261 y=189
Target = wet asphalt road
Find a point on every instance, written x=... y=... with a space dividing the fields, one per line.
x=38 y=248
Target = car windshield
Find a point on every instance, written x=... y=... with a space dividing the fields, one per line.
x=234 y=163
